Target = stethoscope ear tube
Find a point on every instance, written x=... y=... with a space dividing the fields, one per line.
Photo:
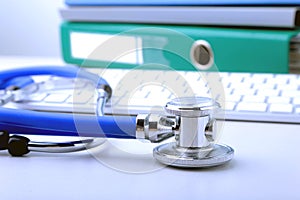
x=18 y=145
x=63 y=71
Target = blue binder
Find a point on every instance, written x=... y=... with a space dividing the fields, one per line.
x=179 y=2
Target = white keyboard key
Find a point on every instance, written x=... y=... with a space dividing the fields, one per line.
x=197 y=85
x=244 y=92
x=258 y=107
x=282 y=78
x=256 y=79
x=239 y=76
x=287 y=87
x=281 y=108
x=295 y=82
x=228 y=91
x=296 y=100
x=192 y=76
x=264 y=86
x=225 y=84
x=229 y=106
x=56 y=98
x=233 y=98
x=285 y=77
x=262 y=76
x=159 y=95
x=243 y=86
x=141 y=93
x=297 y=110
x=224 y=74
x=268 y=93
x=254 y=99
x=233 y=81
x=290 y=93
x=283 y=100
x=276 y=80
x=79 y=99
x=172 y=96
x=147 y=102
x=207 y=94
x=38 y=97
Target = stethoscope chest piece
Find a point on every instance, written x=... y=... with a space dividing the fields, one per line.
x=173 y=155
x=194 y=146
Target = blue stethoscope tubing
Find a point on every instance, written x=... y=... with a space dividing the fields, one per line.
x=58 y=124
x=19 y=121
x=20 y=76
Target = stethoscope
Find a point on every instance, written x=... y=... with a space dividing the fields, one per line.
x=190 y=120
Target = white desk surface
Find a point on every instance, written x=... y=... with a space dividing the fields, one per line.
x=266 y=166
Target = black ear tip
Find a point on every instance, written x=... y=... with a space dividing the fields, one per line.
x=4 y=137
x=18 y=145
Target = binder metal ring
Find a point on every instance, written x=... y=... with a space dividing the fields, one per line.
x=201 y=54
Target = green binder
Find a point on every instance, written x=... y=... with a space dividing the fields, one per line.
x=179 y=47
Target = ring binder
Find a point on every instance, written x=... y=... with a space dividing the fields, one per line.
x=234 y=49
x=243 y=16
x=179 y=2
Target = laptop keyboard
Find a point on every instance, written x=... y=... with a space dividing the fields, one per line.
x=243 y=96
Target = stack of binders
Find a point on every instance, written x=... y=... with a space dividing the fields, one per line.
x=223 y=35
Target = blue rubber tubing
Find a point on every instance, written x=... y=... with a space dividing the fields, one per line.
x=18 y=121
x=63 y=71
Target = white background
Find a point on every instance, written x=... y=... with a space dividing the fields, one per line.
x=30 y=27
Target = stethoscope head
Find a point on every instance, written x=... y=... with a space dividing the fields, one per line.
x=194 y=146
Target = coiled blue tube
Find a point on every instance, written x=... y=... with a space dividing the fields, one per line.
x=64 y=71
x=58 y=124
